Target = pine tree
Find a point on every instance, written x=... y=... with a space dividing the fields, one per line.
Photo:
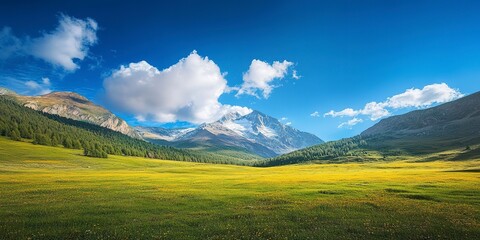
x=47 y=129
x=41 y=139
x=76 y=144
x=24 y=131
x=15 y=135
x=67 y=142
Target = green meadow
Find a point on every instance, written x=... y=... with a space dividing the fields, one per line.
x=56 y=193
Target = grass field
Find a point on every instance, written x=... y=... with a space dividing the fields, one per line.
x=55 y=193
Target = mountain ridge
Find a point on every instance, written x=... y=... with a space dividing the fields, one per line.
x=450 y=126
x=74 y=106
x=20 y=123
x=255 y=132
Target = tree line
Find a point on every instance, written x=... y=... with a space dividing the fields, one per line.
x=329 y=150
x=21 y=123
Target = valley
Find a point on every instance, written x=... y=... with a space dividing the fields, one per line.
x=226 y=120
x=78 y=180
x=253 y=134
x=52 y=191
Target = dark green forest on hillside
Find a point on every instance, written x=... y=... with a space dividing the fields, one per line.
x=18 y=122
x=360 y=148
x=24 y=124
x=325 y=151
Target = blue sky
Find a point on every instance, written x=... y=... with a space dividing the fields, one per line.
x=348 y=54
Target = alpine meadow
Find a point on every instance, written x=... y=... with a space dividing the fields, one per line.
x=240 y=120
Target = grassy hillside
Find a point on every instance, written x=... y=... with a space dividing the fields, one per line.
x=451 y=126
x=378 y=148
x=52 y=192
x=21 y=123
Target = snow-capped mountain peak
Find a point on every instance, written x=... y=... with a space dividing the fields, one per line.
x=255 y=131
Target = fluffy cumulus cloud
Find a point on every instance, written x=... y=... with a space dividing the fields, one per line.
x=374 y=110
x=67 y=44
x=186 y=91
x=315 y=114
x=39 y=88
x=430 y=94
x=260 y=77
x=416 y=98
x=70 y=41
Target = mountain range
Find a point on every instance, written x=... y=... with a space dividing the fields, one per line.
x=452 y=125
x=255 y=133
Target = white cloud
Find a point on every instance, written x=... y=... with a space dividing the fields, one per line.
x=186 y=91
x=374 y=110
x=46 y=81
x=345 y=112
x=315 y=114
x=32 y=84
x=417 y=98
x=70 y=41
x=350 y=123
x=66 y=44
x=295 y=75
x=260 y=77
x=285 y=120
x=430 y=94
x=39 y=88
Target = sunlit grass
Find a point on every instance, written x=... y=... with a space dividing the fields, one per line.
x=49 y=192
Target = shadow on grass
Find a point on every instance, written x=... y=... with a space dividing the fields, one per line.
x=395 y=190
x=473 y=170
x=419 y=197
x=468 y=155
x=330 y=192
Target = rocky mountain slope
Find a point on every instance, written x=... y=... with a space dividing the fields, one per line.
x=452 y=124
x=255 y=132
x=74 y=106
